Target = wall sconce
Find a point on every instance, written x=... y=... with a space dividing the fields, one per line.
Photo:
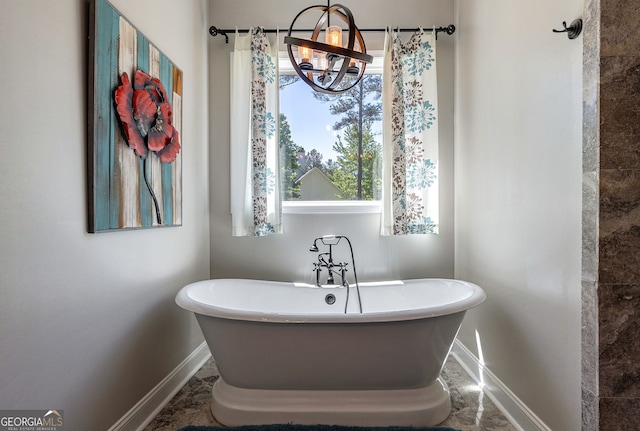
x=329 y=67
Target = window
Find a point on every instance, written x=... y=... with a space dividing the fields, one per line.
x=320 y=138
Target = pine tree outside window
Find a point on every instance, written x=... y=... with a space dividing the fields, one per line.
x=331 y=145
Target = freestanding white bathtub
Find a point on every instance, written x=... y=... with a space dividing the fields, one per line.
x=286 y=355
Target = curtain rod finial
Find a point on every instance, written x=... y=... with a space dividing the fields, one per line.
x=214 y=31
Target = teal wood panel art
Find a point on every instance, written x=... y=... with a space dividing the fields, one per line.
x=134 y=128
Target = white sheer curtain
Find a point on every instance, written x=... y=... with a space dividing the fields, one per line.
x=410 y=135
x=256 y=208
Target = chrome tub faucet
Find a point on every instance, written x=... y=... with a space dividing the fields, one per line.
x=325 y=260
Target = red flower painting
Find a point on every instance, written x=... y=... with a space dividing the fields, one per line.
x=146 y=117
x=147 y=121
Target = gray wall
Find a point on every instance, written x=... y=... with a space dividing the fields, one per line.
x=286 y=257
x=518 y=196
x=88 y=322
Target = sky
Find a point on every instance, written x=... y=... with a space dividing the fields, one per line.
x=310 y=121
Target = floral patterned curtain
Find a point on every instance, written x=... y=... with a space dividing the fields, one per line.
x=410 y=135
x=256 y=208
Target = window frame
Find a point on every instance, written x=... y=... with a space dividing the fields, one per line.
x=331 y=206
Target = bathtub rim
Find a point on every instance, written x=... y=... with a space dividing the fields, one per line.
x=183 y=299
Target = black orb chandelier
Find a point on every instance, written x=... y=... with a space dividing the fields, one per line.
x=329 y=66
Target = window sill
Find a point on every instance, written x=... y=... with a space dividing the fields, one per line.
x=331 y=207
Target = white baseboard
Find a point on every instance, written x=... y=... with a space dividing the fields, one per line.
x=150 y=405
x=509 y=404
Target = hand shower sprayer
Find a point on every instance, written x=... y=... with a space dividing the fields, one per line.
x=326 y=240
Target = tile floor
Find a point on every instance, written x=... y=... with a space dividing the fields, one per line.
x=471 y=408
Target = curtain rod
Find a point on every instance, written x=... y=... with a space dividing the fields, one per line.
x=215 y=31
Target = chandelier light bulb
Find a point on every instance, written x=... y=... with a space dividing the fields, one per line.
x=334 y=36
x=306 y=57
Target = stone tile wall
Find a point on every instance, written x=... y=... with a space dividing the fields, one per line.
x=611 y=216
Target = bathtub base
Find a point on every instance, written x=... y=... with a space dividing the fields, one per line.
x=428 y=406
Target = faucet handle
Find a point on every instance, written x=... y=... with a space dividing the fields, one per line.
x=343 y=273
